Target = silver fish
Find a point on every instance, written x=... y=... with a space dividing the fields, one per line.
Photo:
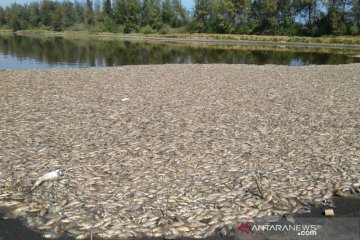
x=47 y=177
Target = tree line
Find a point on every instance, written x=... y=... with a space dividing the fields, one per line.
x=268 y=17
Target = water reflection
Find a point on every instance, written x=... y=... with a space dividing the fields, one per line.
x=42 y=52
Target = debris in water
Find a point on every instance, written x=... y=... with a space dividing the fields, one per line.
x=329 y=212
x=46 y=177
x=338 y=193
x=290 y=218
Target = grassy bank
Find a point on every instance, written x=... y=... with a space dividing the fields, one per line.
x=225 y=37
x=327 y=39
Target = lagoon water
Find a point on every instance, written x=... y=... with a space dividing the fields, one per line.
x=31 y=52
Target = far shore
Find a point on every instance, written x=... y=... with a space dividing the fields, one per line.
x=346 y=42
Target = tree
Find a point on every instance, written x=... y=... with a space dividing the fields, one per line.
x=355 y=14
x=264 y=14
x=107 y=8
x=79 y=12
x=303 y=17
x=201 y=15
x=34 y=14
x=2 y=17
x=57 y=17
x=180 y=13
x=127 y=13
x=338 y=16
x=307 y=9
x=19 y=17
x=167 y=12
x=285 y=13
x=47 y=8
x=222 y=18
x=173 y=13
x=242 y=11
x=89 y=19
x=151 y=13
x=106 y=19
x=68 y=14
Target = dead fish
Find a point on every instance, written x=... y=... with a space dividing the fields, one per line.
x=290 y=218
x=338 y=193
x=47 y=177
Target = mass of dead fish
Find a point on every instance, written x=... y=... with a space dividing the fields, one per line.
x=198 y=148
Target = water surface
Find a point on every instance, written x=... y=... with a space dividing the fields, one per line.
x=28 y=52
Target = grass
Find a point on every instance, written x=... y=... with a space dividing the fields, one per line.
x=325 y=39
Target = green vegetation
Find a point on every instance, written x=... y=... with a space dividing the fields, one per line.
x=312 y=18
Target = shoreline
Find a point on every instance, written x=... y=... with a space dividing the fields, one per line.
x=344 y=207
x=196 y=40
x=176 y=151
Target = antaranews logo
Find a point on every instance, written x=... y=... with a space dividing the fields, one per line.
x=246 y=227
x=301 y=230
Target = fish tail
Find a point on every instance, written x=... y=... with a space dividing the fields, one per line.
x=37 y=183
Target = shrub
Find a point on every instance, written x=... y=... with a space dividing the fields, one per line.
x=78 y=27
x=243 y=29
x=16 y=25
x=108 y=25
x=147 y=30
x=45 y=28
x=120 y=29
x=164 y=29
x=182 y=29
x=354 y=30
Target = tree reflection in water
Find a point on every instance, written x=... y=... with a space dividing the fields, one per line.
x=115 y=52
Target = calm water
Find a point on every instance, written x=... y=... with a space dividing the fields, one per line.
x=44 y=52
